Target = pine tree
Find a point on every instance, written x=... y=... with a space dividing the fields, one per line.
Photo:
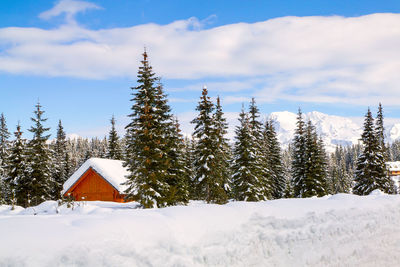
x=371 y=173
x=178 y=179
x=246 y=179
x=261 y=145
x=287 y=159
x=299 y=159
x=4 y=147
x=222 y=149
x=17 y=168
x=340 y=179
x=274 y=158
x=39 y=161
x=380 y=132
x=114 y=148
x=146 y=148
x=208 y=181
x=60 y=174
x=189 y=158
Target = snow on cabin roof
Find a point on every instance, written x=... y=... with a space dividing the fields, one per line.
x=109 y=169
x=393 y=165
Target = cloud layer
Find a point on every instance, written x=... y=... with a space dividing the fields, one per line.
x=312 y=59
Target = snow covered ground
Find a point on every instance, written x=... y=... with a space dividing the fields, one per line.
x=340 y=230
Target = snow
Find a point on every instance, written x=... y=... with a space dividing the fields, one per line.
x=334 y=130
x=393 y=165
x=338 y=230
x=111 y=170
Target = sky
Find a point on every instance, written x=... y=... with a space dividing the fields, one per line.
x=79 y=59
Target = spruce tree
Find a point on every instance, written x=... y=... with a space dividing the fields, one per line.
x=261 y=145
x=146 y=148
x=371 y=172
x=222 y=149
x=380 y=131
x=18 y=178
x=299 y=159
x=189 y=158
x=60 y=174
x=209 y=184
x=4 y=148
x=39 y=161
x=247 y=183
x=274 y=158
x=178 y=178
x=340 y=179
x=114 y=148
x=287 y=159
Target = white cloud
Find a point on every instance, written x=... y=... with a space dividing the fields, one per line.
x=312 y=59
x=68 y=7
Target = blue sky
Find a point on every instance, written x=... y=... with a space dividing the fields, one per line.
x=79 y=58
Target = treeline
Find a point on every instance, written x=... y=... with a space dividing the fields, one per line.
x=167 y=169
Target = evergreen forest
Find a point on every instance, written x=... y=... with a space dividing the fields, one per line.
x=168 y=169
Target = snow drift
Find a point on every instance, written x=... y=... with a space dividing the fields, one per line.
x=339 y=230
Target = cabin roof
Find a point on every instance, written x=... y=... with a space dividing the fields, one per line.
x=111 y=170
x=393 y=165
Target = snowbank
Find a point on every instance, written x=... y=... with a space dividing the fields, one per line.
x=340 y=230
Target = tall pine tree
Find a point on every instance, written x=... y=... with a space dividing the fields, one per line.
x=261 y=145
x=60 y=158
x=4 y=148
x=222 y=148
x=298 y=158
x=247 y=179
x=114 y=149
x=147 y=142
x=274 y=159
x=39 y=161
x=210 y=186
x=18 y=178
x=371 y=171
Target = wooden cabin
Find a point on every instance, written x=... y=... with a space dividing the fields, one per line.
x=97 y=179
x=393 y=168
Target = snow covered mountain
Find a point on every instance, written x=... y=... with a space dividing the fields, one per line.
x=335 y=130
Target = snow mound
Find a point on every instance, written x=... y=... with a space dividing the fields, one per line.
x=111 y=170
x=339 y=230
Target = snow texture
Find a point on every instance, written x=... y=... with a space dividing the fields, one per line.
x=340 y=230
x=109 y=169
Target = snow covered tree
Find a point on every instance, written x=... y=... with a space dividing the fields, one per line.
x=299 y=158
x=340 y=179
x=261 y=145
x=114 y=148
x=210 y=186
x=178 y=178
x=247 y=171
x=148 y=142
x=39 y=161
x=222 y=148
x=309 y=166
x=315 y=183
x=17 y=168
x=287 y=159
x=371 y=173
x=380 y=132
x=60 y=172
x=274 y=159
x=189 y=158
x=4 y=148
